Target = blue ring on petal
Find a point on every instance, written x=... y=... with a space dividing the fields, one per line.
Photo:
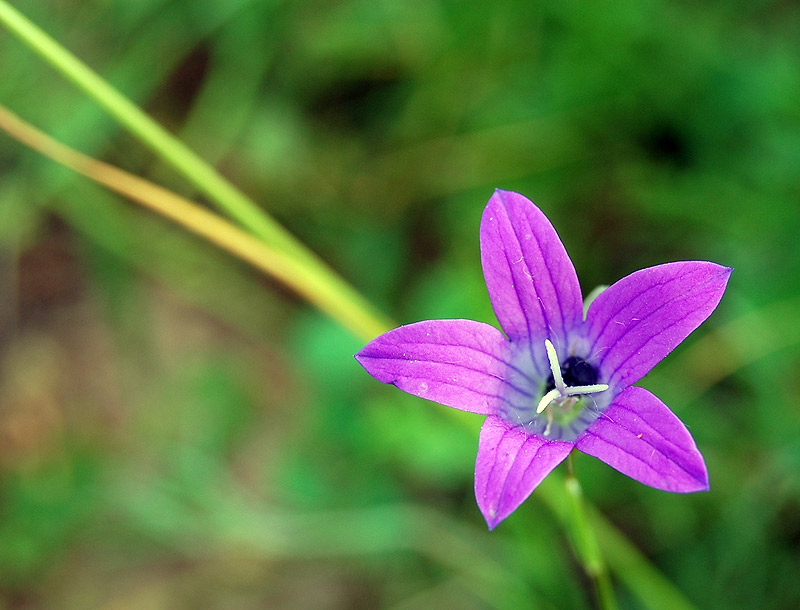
x=524 y=388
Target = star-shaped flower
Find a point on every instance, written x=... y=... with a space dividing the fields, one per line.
x=560 y=378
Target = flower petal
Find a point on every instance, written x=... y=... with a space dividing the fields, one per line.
x=640 y=319
x=639 y=436
x=531 y=281
x=510 y=464
x=458 y=363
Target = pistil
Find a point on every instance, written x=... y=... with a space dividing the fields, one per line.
x=561 y=391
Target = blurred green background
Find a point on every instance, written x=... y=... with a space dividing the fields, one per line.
x=177 y=431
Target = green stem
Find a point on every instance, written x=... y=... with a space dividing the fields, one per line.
x=202 y=175
x=585 y=542
x=628 y=563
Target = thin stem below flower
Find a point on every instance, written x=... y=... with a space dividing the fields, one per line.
x=585 y=542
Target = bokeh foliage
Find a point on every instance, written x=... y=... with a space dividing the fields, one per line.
x=178 y=432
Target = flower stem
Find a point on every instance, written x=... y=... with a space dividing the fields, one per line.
x=585 y=542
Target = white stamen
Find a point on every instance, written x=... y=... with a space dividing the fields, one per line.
x=547 y=399
x=586 y=389
x=562 y=390
x=555 y=365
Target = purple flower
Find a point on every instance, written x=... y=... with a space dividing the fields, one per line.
x=560 y=377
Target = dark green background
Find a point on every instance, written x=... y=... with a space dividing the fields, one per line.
x=178 y=432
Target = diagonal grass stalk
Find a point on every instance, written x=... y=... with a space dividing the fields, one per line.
x=202 y=175
x=170 y=149
x=304 y=279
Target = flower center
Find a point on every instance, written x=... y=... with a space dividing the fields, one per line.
x=575 y=371
x=566 y=386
